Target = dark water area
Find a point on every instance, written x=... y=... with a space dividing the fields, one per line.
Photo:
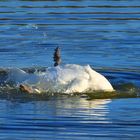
x=102 y=33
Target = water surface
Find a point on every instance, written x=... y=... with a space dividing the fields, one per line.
x=102 y=33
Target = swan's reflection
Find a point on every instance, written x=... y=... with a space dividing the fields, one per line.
x=60 y=116
x=75 y=108
x=63 y=106
x=82 y=108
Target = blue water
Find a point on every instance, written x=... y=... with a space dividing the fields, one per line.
x=102 y=33
x=73 y=118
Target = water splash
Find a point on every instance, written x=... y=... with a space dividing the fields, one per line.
x=45 y=80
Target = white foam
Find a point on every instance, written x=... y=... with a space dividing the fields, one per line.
x=69 y=78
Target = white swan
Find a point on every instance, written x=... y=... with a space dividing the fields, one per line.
x=69 y=78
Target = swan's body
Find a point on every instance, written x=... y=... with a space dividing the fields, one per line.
x=69 y=78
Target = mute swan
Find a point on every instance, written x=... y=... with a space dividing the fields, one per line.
x=67 y=78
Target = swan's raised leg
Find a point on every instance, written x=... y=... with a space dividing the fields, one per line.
x=57 y=57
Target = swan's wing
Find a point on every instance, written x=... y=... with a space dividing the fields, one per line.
x=16 y=75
